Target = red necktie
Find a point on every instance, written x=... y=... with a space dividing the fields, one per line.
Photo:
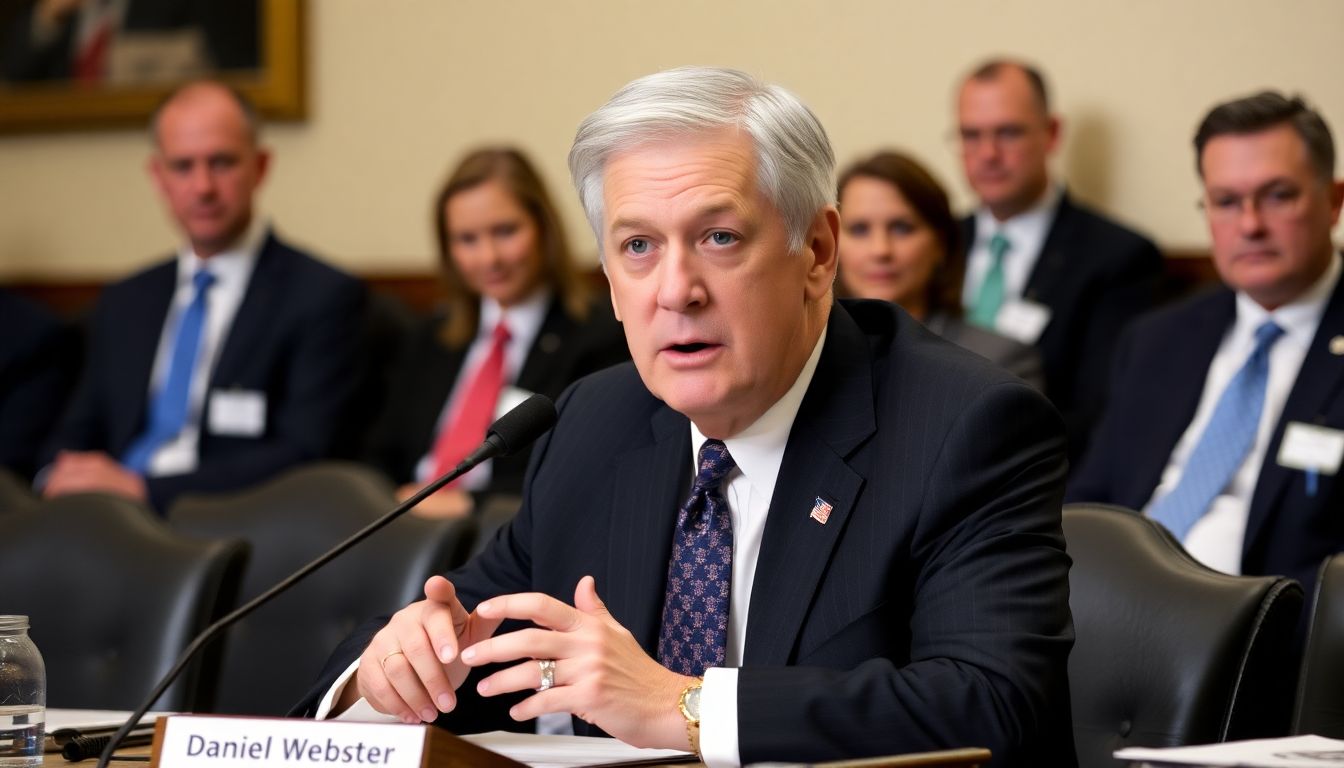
x=476 y=409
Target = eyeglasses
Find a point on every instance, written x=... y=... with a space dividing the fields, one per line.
x=1000 y=136
x=1276 y=200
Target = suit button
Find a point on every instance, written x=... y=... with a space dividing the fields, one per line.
x=1125 y=727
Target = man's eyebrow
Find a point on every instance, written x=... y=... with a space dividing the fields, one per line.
x=709 y=212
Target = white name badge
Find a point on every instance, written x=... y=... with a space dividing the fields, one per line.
x=194 y=741
x=510 y=398
x=237 y=413
x=1022 y=320
x=1311 y=448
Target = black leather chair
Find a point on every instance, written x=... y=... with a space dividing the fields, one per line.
x=15 y=493
x=1320 y=695
x=273 y=656
x=114 y=597
x=1170 y=652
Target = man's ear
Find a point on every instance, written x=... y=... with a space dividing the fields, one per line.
x=822 y=249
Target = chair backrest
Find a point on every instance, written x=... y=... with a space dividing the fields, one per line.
x=15 y=493
x=1168 y=651
x=1320 y=694
x=272 y=657
x=114 y=597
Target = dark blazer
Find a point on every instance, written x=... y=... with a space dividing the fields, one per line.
x=564 y=350
x=1021 y=360
x=1095 y=276
x=39 y=361
x=291 y=339
x=1160 y=368
x=931 y=610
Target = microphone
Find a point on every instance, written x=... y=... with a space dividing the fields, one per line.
x=513 y=431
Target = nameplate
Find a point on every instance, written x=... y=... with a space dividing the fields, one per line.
x=200 y=741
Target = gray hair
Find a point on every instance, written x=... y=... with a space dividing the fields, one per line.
x=795 y=167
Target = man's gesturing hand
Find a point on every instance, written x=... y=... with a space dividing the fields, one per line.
x=601 y=673
x=412 y=668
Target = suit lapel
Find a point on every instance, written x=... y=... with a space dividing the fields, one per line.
x=648 y=484
x=135 y=364
x=1319 y=384
x=1176 y=394
x=539 y=367
x=1052 y=265
x=255 y=316
x=836 y=416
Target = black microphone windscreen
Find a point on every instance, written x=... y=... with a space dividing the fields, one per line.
x=528 y=421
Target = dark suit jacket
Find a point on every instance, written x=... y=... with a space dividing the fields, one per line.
x=1013 y=356
x=1159 y=375
x=931 y=610
x=564 y=351
x=291 y=339
x=39 y=360
x=1095 y=276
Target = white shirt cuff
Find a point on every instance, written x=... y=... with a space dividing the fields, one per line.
x=718 y=718
x=360 y=711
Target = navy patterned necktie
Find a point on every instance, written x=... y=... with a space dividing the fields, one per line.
x=699 y=577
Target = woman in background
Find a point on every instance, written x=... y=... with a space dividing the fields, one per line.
x=517 y=318
x=900 y=243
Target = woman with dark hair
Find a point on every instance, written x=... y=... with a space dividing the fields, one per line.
x=517 y=318
x=900 y=243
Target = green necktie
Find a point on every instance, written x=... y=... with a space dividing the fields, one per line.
x=990 y=298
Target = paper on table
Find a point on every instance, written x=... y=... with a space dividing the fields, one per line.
x=567 y=751
x=1290 y=752
x=89 y=722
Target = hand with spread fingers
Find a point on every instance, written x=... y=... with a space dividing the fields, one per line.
x=412 y=667
x=580 y=660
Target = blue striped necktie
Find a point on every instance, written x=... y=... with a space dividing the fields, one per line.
x=1226 y=440
x=694 y=632
x=168 y=409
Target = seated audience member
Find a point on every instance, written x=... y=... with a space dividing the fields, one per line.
x=1226 y=410
x=518 y=318
x=230 y=361
x=818 y=530
x=899 y=243
x=39 y=359
x=1042 y=267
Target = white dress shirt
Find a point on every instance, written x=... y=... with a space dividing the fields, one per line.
x=232 y=270
x=758 y=452
x=524 y=323
x=1026 y=233
x=1216 y=538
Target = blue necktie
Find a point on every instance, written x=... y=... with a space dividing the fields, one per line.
x=168 y=409
x=699 y=578
x=1227 y=439
x=990 y=297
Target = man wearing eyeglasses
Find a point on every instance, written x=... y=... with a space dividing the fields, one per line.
x=1041 y=268
x=1226 y=422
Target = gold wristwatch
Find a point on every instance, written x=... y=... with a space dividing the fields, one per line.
x=689 y=704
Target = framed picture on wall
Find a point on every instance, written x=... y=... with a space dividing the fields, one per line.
x=82 y=64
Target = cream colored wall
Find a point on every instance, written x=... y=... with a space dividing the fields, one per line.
x=399 y=89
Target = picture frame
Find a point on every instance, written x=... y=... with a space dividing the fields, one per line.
x=276 y=85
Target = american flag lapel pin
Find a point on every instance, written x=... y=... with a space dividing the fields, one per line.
x=821 y=511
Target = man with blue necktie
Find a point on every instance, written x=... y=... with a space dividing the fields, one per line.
x=225 y=364
x=794 y=528
x=1226 y=416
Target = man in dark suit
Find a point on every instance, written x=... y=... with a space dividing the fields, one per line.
x=1041 y=267
x=222 y=366
x=867 y=558
x=1226 y=419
